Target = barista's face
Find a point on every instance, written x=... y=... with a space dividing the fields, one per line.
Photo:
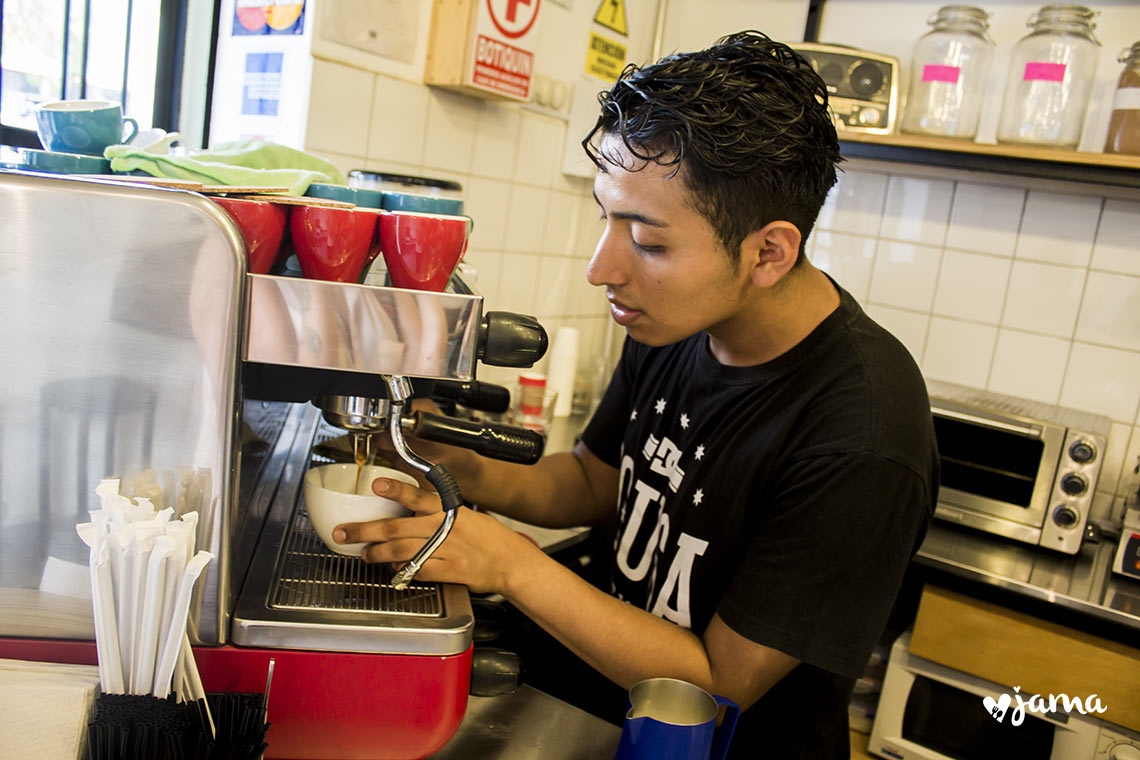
x=665 y=273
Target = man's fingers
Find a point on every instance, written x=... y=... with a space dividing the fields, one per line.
x=412 y=497
x=400 y=550
x=418 y=528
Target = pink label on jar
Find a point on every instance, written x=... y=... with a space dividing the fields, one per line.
x=935 y=73
x=1048 y=72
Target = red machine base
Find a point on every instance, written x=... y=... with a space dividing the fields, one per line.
x=323 y=705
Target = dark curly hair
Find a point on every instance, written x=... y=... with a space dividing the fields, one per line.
x=746 y=124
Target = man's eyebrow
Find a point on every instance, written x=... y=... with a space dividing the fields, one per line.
x=633 y=217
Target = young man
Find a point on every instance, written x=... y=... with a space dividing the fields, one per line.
x=767 y=448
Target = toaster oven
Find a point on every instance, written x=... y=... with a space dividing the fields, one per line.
x=1016 y=468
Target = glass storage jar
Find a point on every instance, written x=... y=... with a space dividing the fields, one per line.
x=1050 y=78
x=1124 y=126
x=948 y=73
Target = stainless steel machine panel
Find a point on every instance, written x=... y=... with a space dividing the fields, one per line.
x=358 y=328
x=121 y=308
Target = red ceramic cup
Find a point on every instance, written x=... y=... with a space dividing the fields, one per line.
x=332 y=243
x=262 y=226
x=422 y=250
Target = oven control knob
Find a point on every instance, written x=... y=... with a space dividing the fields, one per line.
x=1124 y=752
x=1065 y=517
x=1082 y=452
x=1074 y=484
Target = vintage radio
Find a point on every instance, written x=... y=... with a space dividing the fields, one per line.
x=862 y=87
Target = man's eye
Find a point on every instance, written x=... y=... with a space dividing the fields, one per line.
x=648 y=248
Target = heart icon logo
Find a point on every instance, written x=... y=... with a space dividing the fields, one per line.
x=997 y=708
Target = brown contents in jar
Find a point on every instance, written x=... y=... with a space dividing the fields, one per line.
x=1124 y=127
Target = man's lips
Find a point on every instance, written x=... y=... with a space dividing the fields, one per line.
x=621 y=313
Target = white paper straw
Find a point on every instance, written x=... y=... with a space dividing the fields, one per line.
x=142 y=669
x=179 y=533
x=106 y=637
x=172 y=646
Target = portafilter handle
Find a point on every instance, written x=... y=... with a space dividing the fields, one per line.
x=399 y=391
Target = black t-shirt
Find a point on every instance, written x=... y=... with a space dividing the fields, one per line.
x=788 y=497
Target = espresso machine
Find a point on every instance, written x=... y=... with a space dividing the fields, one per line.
x=139 y=347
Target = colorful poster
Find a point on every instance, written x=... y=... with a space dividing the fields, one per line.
x=268 y=17
x=261 y=88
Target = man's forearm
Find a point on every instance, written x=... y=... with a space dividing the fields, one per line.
x=553 y=493
x=623 y=642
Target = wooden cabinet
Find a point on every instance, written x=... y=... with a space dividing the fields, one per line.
x=1015 y=649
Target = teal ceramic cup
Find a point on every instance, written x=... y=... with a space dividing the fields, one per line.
x=83 y=126
x=422 y=204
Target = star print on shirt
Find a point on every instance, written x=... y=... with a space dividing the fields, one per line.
x=660 y=405
x=684 y=421
x=700 y=452
x=633 y=415
x=698 y=496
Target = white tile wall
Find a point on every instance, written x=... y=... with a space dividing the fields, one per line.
x=917 y=210
x=534 y=228
x=905 y=275
x=1057 y=228
x=985 y=218
x=1016 y=289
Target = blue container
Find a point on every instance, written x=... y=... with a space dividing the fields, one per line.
x=424 y=204
x=670 y=719
x=362 y=197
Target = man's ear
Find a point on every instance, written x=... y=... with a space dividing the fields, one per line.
x=771 y=252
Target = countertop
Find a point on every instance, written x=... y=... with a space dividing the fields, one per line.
x=529 y=725
x=1083 y=582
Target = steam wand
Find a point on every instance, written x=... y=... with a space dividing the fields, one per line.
x=399 y=391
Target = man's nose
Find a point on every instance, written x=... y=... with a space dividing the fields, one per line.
x=605 y=267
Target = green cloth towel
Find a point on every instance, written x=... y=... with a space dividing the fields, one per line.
x=244 y=163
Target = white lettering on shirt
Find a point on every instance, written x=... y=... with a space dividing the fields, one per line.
x=643 y=497
x=679 y=579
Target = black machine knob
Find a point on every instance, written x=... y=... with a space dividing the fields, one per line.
x=1074 y=484
x=511 y=340
x=1065 y=517
x=1082 y=452
x=494 y=672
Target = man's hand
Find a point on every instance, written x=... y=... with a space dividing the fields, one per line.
x=480 y=552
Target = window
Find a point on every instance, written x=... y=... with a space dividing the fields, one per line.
x=95 y=49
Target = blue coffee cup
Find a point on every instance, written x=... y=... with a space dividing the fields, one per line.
x=83 y=126
x=422 y=204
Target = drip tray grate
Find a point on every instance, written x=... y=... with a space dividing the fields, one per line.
x=313 y=578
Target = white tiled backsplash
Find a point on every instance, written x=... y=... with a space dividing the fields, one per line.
x=535 y=228
x=1013 y=289
x=1017 y=290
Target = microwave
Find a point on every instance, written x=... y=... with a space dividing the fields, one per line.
x=1016 y=468
x=928 y=711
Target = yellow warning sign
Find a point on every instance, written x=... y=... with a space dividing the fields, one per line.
x=611 y=14
x=605 y=58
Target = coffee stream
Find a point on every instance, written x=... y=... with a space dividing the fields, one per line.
x=361 y=455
